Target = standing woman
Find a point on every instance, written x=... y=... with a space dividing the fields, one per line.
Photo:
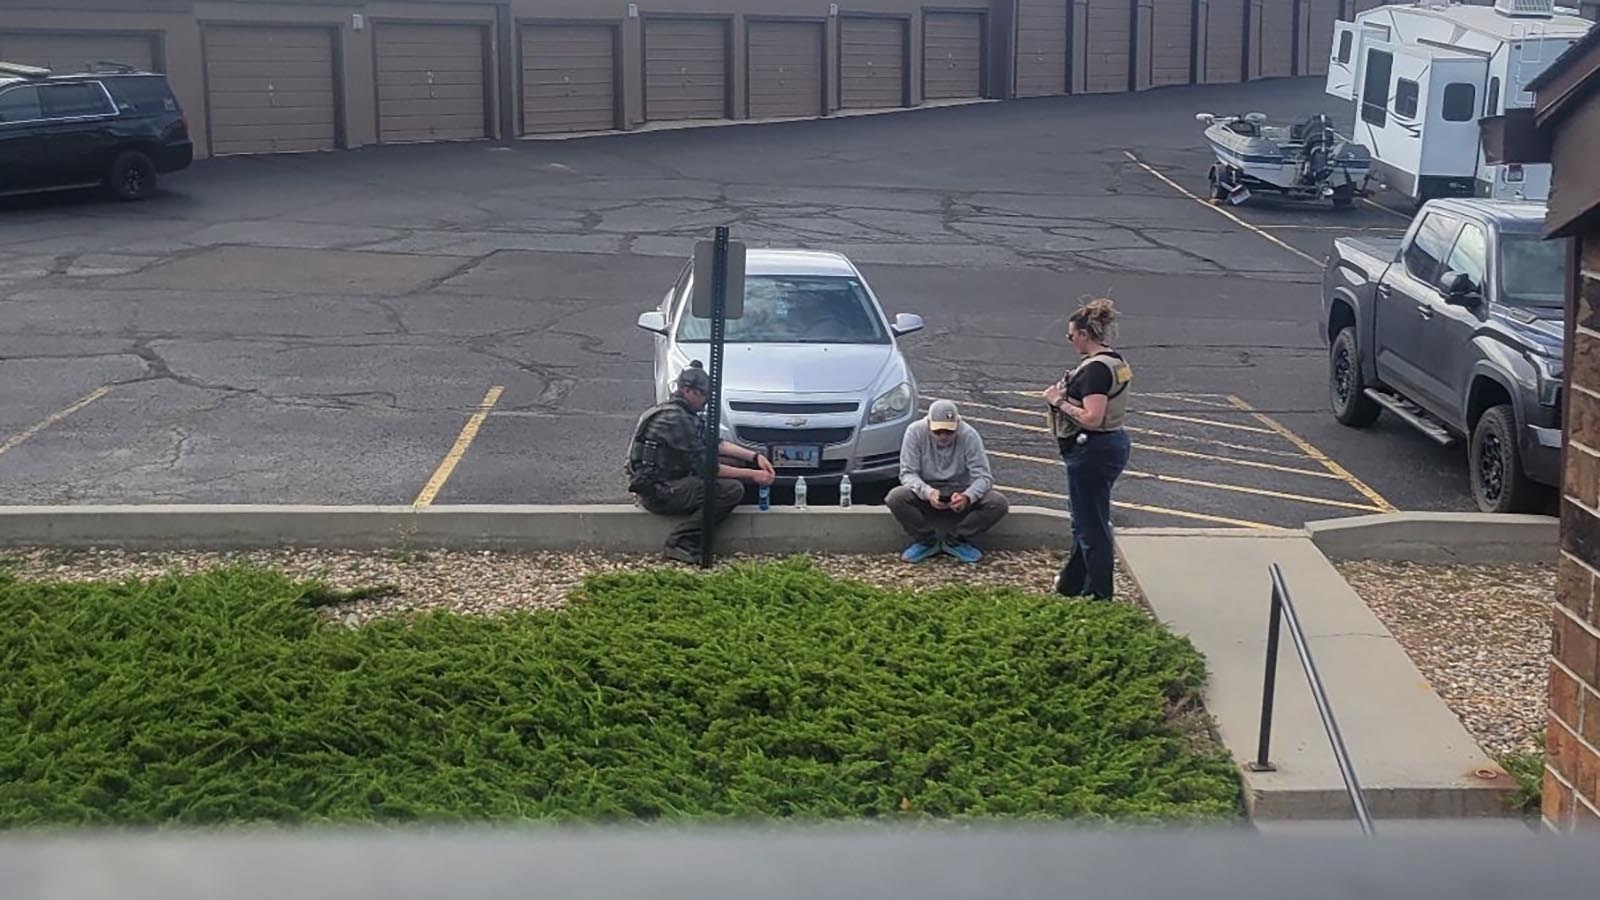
x=1088 y=407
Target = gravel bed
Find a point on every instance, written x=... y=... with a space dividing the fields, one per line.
x=1480 y=634
x=486 y=582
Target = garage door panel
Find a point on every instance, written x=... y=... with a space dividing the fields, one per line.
x=686 y=69
x=568 y=78
x=785 y=69
x=75 y=52
x=1110 y=35
x=1319 y=36
x=270 y=89
x=431 y=82
x=1225 y=41
x=1275 y=41
x=871 y=63
x=1041 y=47
x=952 y=56
x=1171 y=49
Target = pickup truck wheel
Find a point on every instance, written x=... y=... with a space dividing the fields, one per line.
x=1346 y=388
x=132 y=176
x=1498 y=482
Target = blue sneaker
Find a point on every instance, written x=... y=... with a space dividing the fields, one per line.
x=964 y=552
x=919 y=551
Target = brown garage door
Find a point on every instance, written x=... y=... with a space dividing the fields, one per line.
x=1225 y=41
x=1041 y=48
x=1171 y=36
x=872 y=62
x=1318 y=35
x=685 y=69
x=785 y=69
x=431 y=83
x=76 y=52
x=569 y=75
x=1108 y=42
x=952 y=56
x=270 y=89
x=1274 y=40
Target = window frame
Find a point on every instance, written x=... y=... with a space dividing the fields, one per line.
x=1347 y=43
x=38 y=103
x=1377 y=114
x=1402 y=88
x=1471 y=104
x=1452 y=231
x=111 y=108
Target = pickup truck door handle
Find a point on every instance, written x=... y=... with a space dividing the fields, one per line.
x=1426 y=310
x=1382 y=291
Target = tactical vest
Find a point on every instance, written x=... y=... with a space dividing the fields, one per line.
x=650 y=463
x=1063 y=426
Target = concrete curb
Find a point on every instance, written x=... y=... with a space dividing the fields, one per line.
x=1430 y=537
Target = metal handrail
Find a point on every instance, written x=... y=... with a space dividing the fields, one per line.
x=1283 y=608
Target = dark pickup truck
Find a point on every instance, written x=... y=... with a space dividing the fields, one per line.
x=1456 y=329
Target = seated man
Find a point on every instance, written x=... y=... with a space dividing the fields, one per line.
x=664 y=462
x=944 y=481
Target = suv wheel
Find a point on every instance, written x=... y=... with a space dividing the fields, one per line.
x=1498 y=482
x=132 y=176
x=1346 y=388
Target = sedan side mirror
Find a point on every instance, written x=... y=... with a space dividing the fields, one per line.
x=654 y=321
x=906 y=323
x=1459 y=290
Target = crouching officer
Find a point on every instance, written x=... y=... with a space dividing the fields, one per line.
x=664 y=462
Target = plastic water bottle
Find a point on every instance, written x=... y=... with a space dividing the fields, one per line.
x=844 y=492
x=800 y=492
x=764 y=497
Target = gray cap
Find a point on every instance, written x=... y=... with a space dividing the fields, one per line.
x=694 y=378
x=942 y=416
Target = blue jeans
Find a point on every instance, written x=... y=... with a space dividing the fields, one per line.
x=1092 y=468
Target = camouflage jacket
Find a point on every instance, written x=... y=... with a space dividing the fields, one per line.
x=668 y=443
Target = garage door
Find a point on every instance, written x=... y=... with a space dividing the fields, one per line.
x=1274 y=40
x=77 y=52
x=269 y=89
x=431 y=83
x=952 y=56
x=872 y=63
x=685 y=69
x=1225 y=41
x=785 y=69
x=1108 y=43
x=1171 y=34
x=1041 y=47
x=569 y=75
x=1318 y=36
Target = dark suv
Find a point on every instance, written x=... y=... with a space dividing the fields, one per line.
x=118 y=129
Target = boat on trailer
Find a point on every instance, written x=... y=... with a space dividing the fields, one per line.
x=1307 y=160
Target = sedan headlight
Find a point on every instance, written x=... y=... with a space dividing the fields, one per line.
x=890 y=406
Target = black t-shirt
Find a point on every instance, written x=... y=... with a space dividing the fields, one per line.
x=1091 y=380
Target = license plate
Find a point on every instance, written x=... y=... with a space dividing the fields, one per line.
x=796 y=456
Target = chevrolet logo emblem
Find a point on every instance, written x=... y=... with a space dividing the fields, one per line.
x=796 y=422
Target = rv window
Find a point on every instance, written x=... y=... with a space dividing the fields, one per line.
x=1345 y=40
x=1491 y=106
x=1405 y=98
x=1375 y=92
x=1460 y=101
x=1433 y=240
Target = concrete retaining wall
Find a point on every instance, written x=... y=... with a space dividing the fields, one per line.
x=1425 y=537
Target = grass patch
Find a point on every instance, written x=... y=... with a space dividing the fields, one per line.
x=767 y=691
x=1528 y=770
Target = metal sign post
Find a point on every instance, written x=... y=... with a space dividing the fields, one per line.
x=719 y=296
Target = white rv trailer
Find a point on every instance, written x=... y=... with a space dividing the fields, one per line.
x=1423 y=74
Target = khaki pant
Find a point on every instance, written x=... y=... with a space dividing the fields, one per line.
x=684 y=496
x=926 y=524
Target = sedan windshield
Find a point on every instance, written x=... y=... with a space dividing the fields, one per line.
x=1533 y=272
x=797 y=309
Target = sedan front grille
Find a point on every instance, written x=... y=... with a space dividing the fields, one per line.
x=794 y=409
x=766 y=436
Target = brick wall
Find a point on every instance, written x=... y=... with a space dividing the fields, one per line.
x=1572 y=764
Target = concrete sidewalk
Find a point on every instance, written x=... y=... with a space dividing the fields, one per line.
x=1412 y=755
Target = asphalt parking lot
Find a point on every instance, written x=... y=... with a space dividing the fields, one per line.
x=454 y=324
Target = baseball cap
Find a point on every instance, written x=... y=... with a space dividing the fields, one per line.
x=942 y=416
x=694 y=378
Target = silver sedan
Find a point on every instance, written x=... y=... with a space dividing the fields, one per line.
x=813 y=374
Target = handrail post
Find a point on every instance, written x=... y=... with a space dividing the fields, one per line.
x=1269 y=685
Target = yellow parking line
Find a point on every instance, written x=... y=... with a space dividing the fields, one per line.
x=1197 y=400
x=1306 y=447
x=1039 y=429
x=468 y=433
x=1210 y=422
x=1212 y=485
x=12 y=442
x=1188 y=454
x=1141 y=507
x=1222 y=212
